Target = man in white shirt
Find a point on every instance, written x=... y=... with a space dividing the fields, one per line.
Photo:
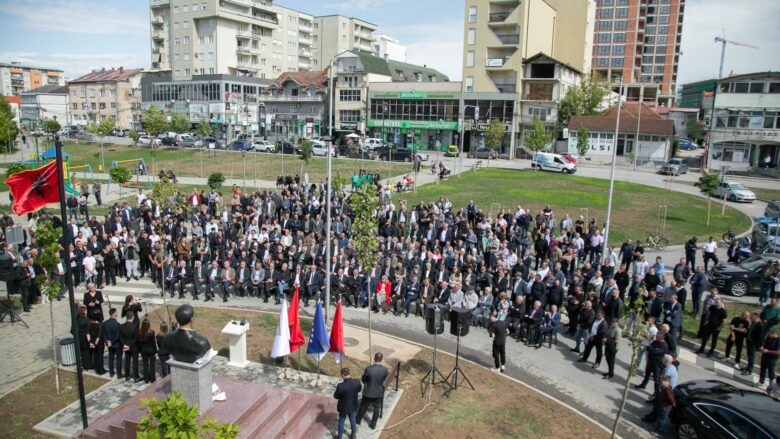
x=456 y=297
x=708 y=249
x=649 y=336
x=90 y=267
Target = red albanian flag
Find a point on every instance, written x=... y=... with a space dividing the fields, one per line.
x=337 y=335
x=296 y=335
x=34 y=189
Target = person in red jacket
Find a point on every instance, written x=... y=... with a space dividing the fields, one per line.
x=383 y=294
x=664 y=404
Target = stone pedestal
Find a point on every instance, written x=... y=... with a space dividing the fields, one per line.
x=194 y=381
x=237 y=334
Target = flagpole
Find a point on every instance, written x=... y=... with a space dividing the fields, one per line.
x=69 y=282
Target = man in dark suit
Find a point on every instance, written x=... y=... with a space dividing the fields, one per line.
x=673 y=315
x=128 y=335
x=598 y=332
x=110 y=330
x=374 y=378
x=347 y=394
x=313 y=285
x=183 y=277
x=498 y=332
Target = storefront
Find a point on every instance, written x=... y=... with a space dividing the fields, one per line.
x=426 y=135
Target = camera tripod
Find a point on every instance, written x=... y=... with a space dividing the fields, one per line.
x=7 y=310
x=457 y=370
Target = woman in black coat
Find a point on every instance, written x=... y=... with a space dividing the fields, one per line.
x=95 y=340
x=132 y=305
x=94 y=300
x=147 y=346
x=82 y=325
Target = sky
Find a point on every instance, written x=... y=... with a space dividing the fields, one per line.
x=80 y=35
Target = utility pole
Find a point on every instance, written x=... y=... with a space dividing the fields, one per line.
x=612 y=172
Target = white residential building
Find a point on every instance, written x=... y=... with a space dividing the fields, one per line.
x=388 y=47
x=45 y=103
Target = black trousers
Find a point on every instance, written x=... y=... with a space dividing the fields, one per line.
x=131 y=357
x=115 y=358
x=738 y=342
x=148 y=367
x=165 y=369
x=97 y=358
x=589 y=347
x=365 y=403
x=499 y=354
x=611 y=353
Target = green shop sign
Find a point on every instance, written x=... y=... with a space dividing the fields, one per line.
x=414 y=124
x=413 y=95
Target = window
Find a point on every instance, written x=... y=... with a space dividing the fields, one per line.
x=618 y=50
x=469 y=84
x=175 y=9
x=102 y=105
x=617 y=62
x=113 y=105
x=660 y=59
x=660 y=49
x=659 y=69
x=349 y=116
x=211 y=39
x=175 y=24
x=204 y=6
x=739 y=87
x=647 y=59
x=349 y=95
x=661 y=39
x=472 y=14
x=622 y=2
x=605 y=25
x=650 y=30
x=621 y=24
x=604 y=38
x=607 y=2
x=185 y=8
x=619 y=37
x=212 y=70
x=93 y=106
x=470 y=58
x=663 y=29
x=732 y=421
x=665 y=9
x=176 y=42
x=774 y=87
x=602 y=62
x=621 y=12
x=202 y=40
x=541 y=113
x=756 y=87
x=603 y=50
x=472 y=36
x=186 y=56
x=186 y=72
x=186 y=40
x=663 y=19
x=185 y=24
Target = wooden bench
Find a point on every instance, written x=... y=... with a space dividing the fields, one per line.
x=477 y=164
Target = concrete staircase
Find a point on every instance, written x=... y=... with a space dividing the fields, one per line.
x=261 y=411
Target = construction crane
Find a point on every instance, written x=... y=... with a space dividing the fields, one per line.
x=723 y=41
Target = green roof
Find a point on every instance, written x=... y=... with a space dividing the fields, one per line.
x=398 y=71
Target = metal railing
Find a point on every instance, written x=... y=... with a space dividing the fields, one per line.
x=394 y=375
x=299 y=98
x=509 y=38
x=498 y=16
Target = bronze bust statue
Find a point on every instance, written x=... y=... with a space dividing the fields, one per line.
x=184 y=344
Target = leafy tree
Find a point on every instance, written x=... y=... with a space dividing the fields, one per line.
x=174 y=418
x=101 y=130
x=203 y=129
x=52 y=126
x=15 y=168
x=133 y=134
x=363 y=203
x=306 y=148
x=216 y=180
x=164 y=193
x=675 y=146
x=538 y=138
x=695 y=130
x=340 y=182
x=47 y=238
x=584 y=99
x=120 y=176
x=180 y=123
x=8 y=128
x=494 y=136
x=635 y=332
x=707 y=184
x=154 y=121
x=582 y=141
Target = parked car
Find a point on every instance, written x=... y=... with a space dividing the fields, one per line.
x=64 y=132
x=766 y=232
x=712 y=409
x=360 y=152
x=423 y=157
x=169 y=141
x=119 y=132
x=286 y=147
x=552 y=162
x=396 y=154
x=686 y=144
x=321 y=149
x=772 y=209
x=263 y=145
x=452 y=151
x=734 y=191
x=675 y=166
x=372 y=143
x=213 y=143
x=742 y=278
x=483 y=153
x=144 y=140
x=241 y=145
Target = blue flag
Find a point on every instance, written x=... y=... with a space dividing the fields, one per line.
x=319 y=344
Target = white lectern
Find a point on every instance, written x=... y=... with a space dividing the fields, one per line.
x=237 y=333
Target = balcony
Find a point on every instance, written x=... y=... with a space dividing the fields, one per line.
x=495 y=63
x=304 y=39
x=247 y=65
x=158 y=21
x=303 y=52
x=158 y=34
x=243 y=33
x=286 y=98
x=507 y=39
x=497 y=17
x=305 y=27
x=506 y=87
x=157 y=50
x=158 y=3
x=244 y=50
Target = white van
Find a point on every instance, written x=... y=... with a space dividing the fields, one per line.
x=372 y=143
x=553 y=162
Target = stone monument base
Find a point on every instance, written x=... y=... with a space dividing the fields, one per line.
x=193 y=380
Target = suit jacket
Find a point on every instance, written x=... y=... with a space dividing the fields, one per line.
x=128 y=335
x=347 y=393
x=247 y=274
x=673 y=314
x=111 y=332
x=374 y=378
x=228 y=275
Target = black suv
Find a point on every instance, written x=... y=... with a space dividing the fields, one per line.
x=742 y=278
x=396 y=154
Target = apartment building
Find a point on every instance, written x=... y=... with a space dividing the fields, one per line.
x=107 y=92
x=354 y=71
x=297 y=104
x=638 y=42
x=545 y=82
x=50 y=102
x=499 y=35
x=254 y=38
x=16 y=78
x=747 y=125
x=388 y=47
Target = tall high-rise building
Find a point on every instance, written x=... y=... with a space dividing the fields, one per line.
x=500 y=35
x=638 y=42
x=247 y=38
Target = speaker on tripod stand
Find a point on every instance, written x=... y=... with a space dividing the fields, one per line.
x=434 y=324
x=7 y=275
x=459 y=326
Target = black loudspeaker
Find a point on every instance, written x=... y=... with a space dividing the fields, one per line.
x=459 y=317
x=6 y=267
x=434 y=318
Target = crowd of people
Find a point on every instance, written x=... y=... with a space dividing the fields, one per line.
x=522 y=268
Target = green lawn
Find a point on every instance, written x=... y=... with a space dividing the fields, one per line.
x=233 y=164
x=635 y=209
x=766 y=194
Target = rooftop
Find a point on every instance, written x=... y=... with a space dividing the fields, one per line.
x=306 y=79
x=633 y=115
x=398 y=71
x=28 y=66
x=48 y=89
x=104 y=75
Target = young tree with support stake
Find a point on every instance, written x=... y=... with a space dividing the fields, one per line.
x=47 y=238
x=494 y=136
x=538 y=138
x=179 y=123
x=635 y=332
x=102 y=129
x=582 y=141
x=707 y=184
x=363 y=202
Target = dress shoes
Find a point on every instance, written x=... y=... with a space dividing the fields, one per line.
x=596 y=365
x=581 y=360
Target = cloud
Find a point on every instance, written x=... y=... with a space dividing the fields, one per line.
x=360 y=5
x=437 y=45
x=77 y=64
x=84 y=17
x=748 y=21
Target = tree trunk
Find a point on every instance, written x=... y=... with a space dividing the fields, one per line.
x=709 y=206
x=54 y=348
x=370 y=353
x=625 y=392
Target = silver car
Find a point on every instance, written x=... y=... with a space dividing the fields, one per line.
x=772 y=209
x=675 y=166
